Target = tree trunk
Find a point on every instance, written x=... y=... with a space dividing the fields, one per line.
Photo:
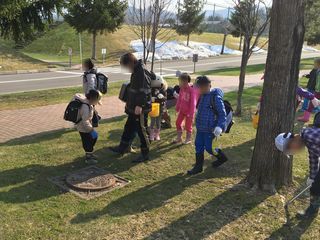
x=223 y=43
x=269 y=167
x=188 y=39
x=94 y=37
x=153 y=53
x=242 y=76
x=240 y=44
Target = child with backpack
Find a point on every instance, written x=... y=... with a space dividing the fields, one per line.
x=159 y=95
x=211 y=121
x=185 y=107
x=80 y=111
x=314 y=87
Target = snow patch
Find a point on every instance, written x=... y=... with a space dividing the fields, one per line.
x=179 y=50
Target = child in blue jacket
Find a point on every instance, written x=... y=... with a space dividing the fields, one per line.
x=210 y=123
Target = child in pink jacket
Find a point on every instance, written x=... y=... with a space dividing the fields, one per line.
x=186 y=107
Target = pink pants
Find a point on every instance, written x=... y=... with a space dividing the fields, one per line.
x=188 y=122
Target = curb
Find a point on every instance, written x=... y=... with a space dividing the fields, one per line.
x=44 y=70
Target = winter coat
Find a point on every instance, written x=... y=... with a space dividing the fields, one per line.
x=89 y=81
x=312 y=76
x=85 y=114
x=187 y=100
x=139 y=89
x=209 y=117
x=156 y=93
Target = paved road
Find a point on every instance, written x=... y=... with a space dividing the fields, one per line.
x=60 y=79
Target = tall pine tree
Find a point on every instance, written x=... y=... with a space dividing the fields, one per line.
x=21 y=19
x=96 y=16
x=190 y=17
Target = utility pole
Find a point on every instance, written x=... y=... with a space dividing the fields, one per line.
x=225 y=33
x=80 y=49
x=213 y=15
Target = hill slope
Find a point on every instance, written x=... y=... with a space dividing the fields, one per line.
x=53 y=46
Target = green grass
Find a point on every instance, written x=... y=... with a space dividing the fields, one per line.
x=12 y=59
x=161 y=202
x=254 y=69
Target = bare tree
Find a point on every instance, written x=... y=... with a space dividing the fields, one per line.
x=268 y=166
x=148 y=18
x=251 y=17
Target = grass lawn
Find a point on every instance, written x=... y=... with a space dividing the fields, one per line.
x=254 y=69
x=161 y=202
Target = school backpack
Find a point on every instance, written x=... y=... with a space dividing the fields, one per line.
x=229 y=113
x=72 y=111
x=102 y=82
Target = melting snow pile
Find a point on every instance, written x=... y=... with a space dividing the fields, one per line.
x=309 y=49
x=180 y=50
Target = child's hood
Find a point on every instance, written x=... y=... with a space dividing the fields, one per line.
x=217 y=91
x=82 y=98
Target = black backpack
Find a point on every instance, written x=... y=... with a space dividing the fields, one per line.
x=229 y=113
x=72 y=111
x=102 y=82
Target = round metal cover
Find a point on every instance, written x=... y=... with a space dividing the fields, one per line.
x=90 y=180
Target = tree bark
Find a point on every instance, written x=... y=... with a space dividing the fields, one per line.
x=270 y=168
x=242 y=76
x=188 y=39
x=240 y=44
x=223 y=43
x=94 y=41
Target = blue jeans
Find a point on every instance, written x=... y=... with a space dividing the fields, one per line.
x=204 y=142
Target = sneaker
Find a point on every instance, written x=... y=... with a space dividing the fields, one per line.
x=91 y=159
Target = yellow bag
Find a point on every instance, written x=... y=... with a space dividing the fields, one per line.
x=155 y=112
x=255 y=121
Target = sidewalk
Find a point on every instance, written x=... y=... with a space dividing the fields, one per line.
x=20 y=123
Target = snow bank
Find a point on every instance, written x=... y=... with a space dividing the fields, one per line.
x=180 y=50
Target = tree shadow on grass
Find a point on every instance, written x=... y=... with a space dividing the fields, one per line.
x=293 y=231
x=158 y=193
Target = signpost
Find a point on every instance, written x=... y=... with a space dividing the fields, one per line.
x=195 y=59
x=104 y=53
x=70 y=56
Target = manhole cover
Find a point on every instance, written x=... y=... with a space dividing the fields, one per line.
x=89 y=180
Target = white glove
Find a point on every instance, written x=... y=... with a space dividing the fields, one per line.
x=175 y=94
x=309 y=181
x=160 y=96
x=217 y=131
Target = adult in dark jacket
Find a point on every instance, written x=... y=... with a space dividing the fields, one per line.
x=138 y=106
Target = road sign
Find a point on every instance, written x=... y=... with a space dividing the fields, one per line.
x=103 y=51
x=195 y=58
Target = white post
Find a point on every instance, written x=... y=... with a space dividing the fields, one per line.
x=80 y=48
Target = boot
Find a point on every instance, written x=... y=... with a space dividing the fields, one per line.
x=157 y=134
x=305 y=117
x=198 y=167
x=179 y=137
x=143 y=157
x=188 y=138
x=120 y=149
x=91 y=159
x=152 y=134
x=221 y=158
x=312 y=210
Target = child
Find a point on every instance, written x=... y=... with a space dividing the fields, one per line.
x=159 y=95
x=291 y=144
x=185 y=107
x=88 y=135
x=314 y=86
x=312 y=76
x=210 y=122
x=89 y=80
